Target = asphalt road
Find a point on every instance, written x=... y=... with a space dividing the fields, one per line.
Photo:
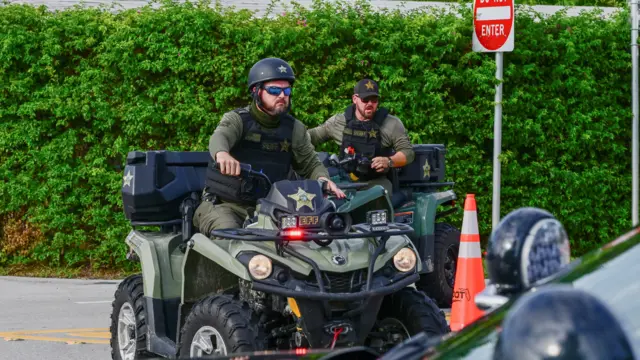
x=46 y=319
x=55 y=318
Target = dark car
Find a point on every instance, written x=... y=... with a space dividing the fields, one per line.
x=611 y=274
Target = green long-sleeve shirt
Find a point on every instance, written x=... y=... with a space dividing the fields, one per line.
x=392 y=132
x=305 y=161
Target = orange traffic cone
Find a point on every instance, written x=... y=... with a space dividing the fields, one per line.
x=469 y=270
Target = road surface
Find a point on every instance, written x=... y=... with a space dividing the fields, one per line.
x=42 y=319
x=55 y=318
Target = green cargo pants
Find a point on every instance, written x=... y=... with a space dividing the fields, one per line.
x=382 y=180
x=208 y=216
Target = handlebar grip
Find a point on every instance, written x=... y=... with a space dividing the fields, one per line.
x=348 y=186
x=243 y=167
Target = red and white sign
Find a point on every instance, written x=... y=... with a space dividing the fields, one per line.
x=493 y=25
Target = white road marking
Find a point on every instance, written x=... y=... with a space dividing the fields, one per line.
x=94 y=302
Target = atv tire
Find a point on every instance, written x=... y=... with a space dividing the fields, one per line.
x=411 y=312
x=439 y=284
x=219 y=317
x=132 y=328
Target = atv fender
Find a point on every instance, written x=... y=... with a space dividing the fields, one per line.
x=425 y=213
x=375 y=198
x=161 y=261
x=427 y=206
x=210 y=268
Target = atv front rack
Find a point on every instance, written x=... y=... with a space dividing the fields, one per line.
x=364 y=230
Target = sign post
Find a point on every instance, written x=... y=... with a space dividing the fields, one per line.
x=634 y=107
x=493 y=31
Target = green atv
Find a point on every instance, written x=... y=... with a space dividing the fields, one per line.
x=305 y=271
x=417 y=201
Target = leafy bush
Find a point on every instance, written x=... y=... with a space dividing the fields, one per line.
x=81 y=88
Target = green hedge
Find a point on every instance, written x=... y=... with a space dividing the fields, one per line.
x=81 y=88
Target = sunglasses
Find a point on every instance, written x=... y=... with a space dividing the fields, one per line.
x=370 y=99
x=275 y=90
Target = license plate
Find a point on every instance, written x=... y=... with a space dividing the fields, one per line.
x=308 y=220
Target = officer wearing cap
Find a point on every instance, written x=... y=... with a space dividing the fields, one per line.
x=263 y=135
x=371 y=131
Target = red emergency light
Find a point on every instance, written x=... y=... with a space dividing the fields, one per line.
x=295 y=234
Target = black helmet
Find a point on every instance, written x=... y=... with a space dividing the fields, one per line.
x=559 y=322
x=270 y=69
x=528 y=236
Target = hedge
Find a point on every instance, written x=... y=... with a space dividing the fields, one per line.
x=81 y=88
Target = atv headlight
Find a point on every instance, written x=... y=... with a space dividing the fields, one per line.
x=289 y=221
x=405 y=260
x=260 y=267
x=377 y=220
x=377 y=217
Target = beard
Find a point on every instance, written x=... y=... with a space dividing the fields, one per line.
x=366 y=111
x=277 y=108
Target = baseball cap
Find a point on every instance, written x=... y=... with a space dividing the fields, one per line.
x=365 y=88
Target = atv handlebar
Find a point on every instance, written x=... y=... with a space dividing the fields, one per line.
x=306 y=235
x=247 y=171
x=334 y=160
x=349 y=186
x=351 y=163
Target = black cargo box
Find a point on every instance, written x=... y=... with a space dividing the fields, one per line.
x=416 y=172
x=155 y=183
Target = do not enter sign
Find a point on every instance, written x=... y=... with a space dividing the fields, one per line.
x=493 y=32
x=493 y=25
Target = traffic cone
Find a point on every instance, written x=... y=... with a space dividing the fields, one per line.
x=469 y=279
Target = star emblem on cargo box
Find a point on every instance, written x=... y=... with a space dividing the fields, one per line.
x=282 y=69
x=302 y=198
x=127 y=179
x=427 y=169
x=285 y=145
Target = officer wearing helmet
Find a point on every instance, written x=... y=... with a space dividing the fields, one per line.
x=264 y=135
x=560 y=322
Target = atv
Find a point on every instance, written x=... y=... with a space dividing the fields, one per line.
x=305 y=271
x=416 y=201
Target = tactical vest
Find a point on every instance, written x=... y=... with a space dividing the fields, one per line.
x=266 y=150
x=365 y=138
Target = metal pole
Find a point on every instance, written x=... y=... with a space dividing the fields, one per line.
x=634 y=105
x=497 y=141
